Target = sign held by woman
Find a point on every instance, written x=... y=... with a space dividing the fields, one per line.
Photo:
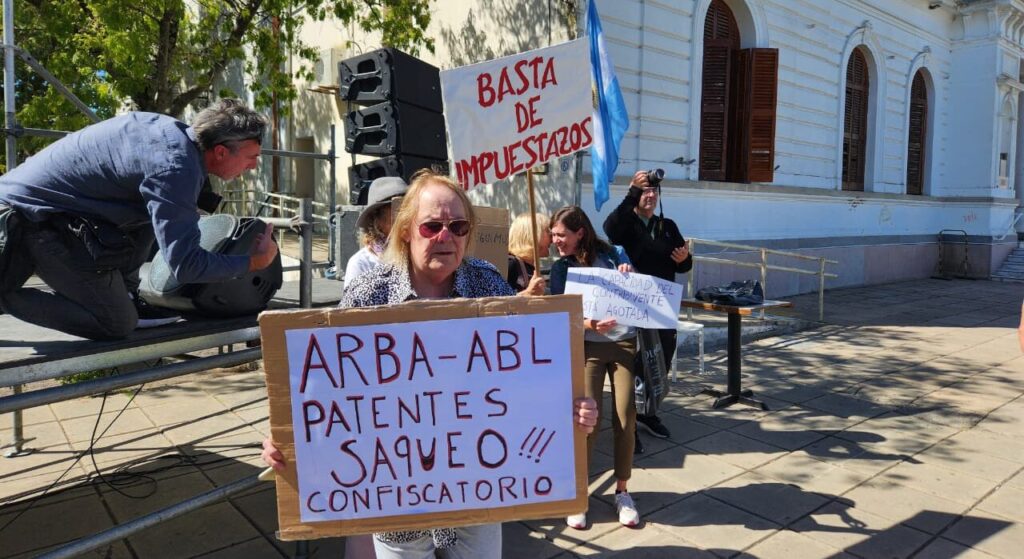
x=425 y=414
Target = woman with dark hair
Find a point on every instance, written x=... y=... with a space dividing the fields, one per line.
x=609 y=349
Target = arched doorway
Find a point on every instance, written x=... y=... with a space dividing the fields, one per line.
x=721 y=40
x=855 y=121
x=917 y=134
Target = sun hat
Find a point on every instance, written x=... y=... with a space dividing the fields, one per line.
x=381 y=191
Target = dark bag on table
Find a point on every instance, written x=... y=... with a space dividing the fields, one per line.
x=739 y=293
x=650 y=373
x=247 y=294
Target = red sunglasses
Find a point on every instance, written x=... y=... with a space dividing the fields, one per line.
x=457 y=227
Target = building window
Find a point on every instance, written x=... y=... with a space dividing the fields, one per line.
x=917 y=134
x=855 y=121
x=738 y=103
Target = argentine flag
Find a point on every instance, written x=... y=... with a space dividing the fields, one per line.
x=610 y=118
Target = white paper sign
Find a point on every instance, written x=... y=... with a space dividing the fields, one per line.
x=631 y=299
x=444 y=415
x=510 y=114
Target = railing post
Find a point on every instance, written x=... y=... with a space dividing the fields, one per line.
x=764 y=276
x=689 y=279
x=332 y=202
x=306 y=246
x=17 y=430
x=821 y=290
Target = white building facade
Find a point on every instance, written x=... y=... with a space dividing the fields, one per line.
x=887 y=122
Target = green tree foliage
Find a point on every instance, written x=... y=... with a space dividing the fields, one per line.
x=163 y=55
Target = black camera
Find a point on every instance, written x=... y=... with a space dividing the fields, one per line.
x=655 y=176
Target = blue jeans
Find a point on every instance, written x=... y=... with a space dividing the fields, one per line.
x=475 y=542
x=86 y=301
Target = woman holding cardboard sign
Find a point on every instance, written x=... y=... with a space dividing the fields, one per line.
x=608 y=347
x=425 y=259
x=521 y=266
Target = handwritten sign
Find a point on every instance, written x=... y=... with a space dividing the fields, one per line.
x=423 y=414
x=631 y=299
x=510 y=114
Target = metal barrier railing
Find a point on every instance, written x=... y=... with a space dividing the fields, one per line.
x=763 y=265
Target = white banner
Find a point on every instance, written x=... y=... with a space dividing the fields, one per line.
x=431 y=416
x=510 y=114
x=631 y=299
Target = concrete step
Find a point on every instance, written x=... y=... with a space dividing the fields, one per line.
x=1016 y=278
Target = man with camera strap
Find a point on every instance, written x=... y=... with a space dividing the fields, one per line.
x=656 y=248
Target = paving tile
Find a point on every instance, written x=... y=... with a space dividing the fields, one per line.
x=256 y=547
x=917 y=509
x=48 y=461
x=683 y=428
x=601 y=519
x=736 y=449
x=779 y=430
x=812 y=475
x=767 y=497
x=860 y=457
x=518 y=540
x=48 y=524
x=40 y=435
x=110 y=424
x=990 y=533
x=90 y=406
x=859 y=532
x=844 y=406
x=792 y=545
x=948 y=455
x=711 y=524
x=691 y=469
x=113 y=450
x=946 y=549
x=114 y=551
x=629 y=541
x=210 y=528
x=940 y=481
x=1005 y=501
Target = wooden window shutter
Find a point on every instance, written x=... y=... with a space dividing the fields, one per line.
x=916 y=136
x=721 y=38
x=855 y=122
x=755 y=127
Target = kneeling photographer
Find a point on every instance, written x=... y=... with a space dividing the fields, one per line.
x=656 y=248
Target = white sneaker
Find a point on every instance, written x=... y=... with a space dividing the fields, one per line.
x=628 y=515
x=577 y=521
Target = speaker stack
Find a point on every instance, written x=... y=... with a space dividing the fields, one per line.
x=401 y=119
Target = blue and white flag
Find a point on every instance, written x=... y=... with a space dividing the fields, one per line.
x=610 y=118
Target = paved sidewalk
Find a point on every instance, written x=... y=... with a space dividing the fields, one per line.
x=896 y=429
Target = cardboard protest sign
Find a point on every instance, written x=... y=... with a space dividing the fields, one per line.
x=426 y=414
x=631 y=299
x=491 y=242
x=507 y=115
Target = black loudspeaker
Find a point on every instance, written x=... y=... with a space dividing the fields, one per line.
x=390 y=75
x=360 y=176
x=394 y=128
x=248 y=294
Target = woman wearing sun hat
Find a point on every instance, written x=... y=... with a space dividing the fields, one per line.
x=374 y=225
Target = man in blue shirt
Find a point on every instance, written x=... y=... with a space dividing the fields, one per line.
x=92 y=204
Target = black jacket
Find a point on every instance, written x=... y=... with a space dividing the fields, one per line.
x=650 y=255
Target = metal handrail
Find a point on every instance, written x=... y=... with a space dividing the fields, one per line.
x=1018 y=213
x=764 y=266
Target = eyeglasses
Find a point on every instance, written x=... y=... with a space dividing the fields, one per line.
x=457 y=227
x=650 y=191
